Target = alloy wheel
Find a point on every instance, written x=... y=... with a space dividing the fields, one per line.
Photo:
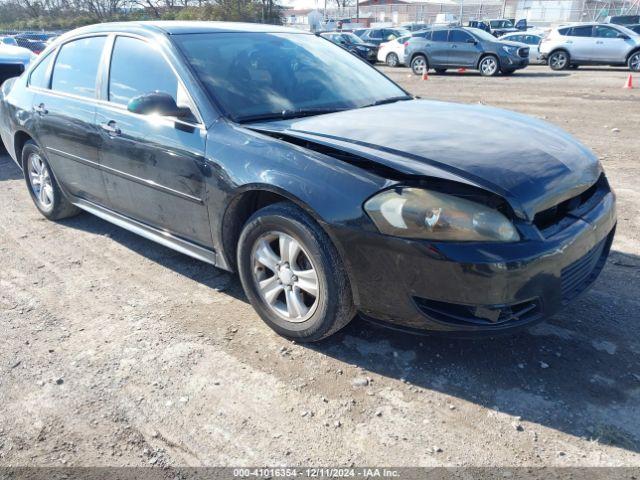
x=634 y=62
x=40 y=181
x=558 y=61
x=392 y=60
x=285 y=276
x=419 y=65
x=489 y=66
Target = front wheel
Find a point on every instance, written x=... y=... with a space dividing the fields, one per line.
x=489 y=66
x=392 y=60
x=293 y=275
x=43 y=187
x=634 y=62
x=559 y=60
x=419 y=65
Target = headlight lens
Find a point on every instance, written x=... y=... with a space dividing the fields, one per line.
x=510 y=49
x=417 y=213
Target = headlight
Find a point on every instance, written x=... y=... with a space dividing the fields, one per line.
x=510 y=50
x=417 y=213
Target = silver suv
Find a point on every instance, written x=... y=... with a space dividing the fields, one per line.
x=591 y=44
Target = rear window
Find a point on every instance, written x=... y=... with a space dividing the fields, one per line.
x=440 y=35
x=584 y=31
x=564 y=31
x=76 y=67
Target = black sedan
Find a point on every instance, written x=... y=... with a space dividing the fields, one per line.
x=277 y=154
x=354 y=44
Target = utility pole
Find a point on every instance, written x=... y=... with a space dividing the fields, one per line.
x=357 y=11
x=461 y=11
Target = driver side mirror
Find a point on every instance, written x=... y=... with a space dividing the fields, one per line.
x=622 y=36
x=157 y=102
x=472 y=40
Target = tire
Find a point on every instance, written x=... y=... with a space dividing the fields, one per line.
x=419 y=64
x=634 y=61
x=310 y=318
x=559 y=60
x=392 y=60
x=440 y=71
x=42 y=185
x=489 y=66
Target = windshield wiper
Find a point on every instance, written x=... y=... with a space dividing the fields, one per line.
x=389 y=100
x=287 y=114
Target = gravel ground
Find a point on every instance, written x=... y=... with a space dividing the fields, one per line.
x=117 y=351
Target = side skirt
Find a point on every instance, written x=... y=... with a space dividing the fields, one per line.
x=148 y=232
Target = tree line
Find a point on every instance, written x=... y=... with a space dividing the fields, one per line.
x=67 y=14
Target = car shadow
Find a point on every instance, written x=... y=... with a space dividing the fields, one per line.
x=518 y=74
x=578 y=372
x=8 y=169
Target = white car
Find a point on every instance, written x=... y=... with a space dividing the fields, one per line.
x=392 y=52
x=531 y=39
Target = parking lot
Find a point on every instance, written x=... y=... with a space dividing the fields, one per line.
x=118 y=351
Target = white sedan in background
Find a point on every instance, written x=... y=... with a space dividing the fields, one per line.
x=531 y=39
x=392 y=52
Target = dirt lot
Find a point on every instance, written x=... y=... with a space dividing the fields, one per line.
x=117 y=351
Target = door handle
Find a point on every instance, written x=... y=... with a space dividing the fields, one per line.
x=569 y=42
x=454 y=46
x=40 y=109
x=599 y=42
x=111 y=128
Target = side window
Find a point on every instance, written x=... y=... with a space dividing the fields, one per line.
x=76 y=66
x=440 y=35
x=375 y=34
x=605 y=32
x=459 y=36
x=584 y=31
x=136 y=69
x=532 y=40
x=564 y=31
x=39 y=77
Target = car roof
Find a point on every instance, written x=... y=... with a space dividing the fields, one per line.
x=171 y=27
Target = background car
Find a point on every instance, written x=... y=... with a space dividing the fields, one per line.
x=531 y=39
x=623 y=19
x=354 y=44
x=8 y=41
x=380 y=35
x=441 y=48
x=13 y=61
x=635 y=28
x=591 y=44
x=392 y=53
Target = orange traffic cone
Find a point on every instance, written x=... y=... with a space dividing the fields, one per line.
x=629 y=82
x=425 y=75
x=462 y=70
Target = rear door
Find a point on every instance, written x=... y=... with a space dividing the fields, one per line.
x=464 y=51
x=154 y=167
x=438 y=48
x=610 y=44
x=65 y=102
x=580 y=43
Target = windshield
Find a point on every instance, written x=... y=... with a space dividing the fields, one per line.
x=280 y=75
x=481 y=34
x=351 y=38
x=626 y=30
x=501 y=24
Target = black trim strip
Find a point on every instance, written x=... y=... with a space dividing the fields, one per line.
x=133 y=178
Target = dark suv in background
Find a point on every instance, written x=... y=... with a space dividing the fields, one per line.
x=377 y=36
x=443 y=48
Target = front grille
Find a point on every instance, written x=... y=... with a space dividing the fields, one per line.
x=551 y=220
x=575 y=278
x=456 y=314
x=523 y=52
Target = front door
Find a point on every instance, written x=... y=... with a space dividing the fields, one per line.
x=438 y=48
x=154 y=167
x=64 y=102
x=464 y=51
x=610 y=44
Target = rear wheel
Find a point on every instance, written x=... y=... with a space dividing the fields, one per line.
x=559 y=60
x=43 y=188
x=419 y=65
x=489 y=66
x=392 y=60
x=634 y=62
x=293 y=275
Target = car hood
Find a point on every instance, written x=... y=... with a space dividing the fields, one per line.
x=530 y=163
